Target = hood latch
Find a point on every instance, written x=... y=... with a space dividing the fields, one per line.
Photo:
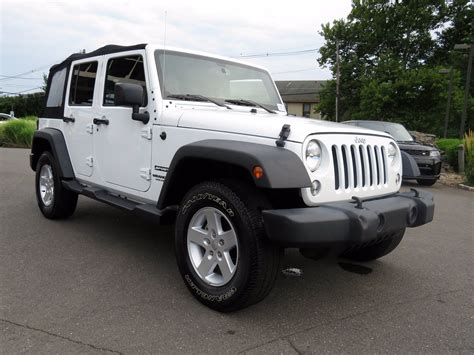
x=284 y=134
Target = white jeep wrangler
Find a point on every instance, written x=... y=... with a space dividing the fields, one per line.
x=205 y=142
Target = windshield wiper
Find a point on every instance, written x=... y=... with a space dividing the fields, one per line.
x=189 y=97
x=249 y=103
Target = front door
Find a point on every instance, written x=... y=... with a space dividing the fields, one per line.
x=122 y=146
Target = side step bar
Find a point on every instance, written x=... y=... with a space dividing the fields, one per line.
x=142 y=209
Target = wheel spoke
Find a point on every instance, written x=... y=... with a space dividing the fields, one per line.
x=197 y=236
x=226 y=266
x=213 y=221
x=207 y=265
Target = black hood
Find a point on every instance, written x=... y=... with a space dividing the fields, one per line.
x=415 y=146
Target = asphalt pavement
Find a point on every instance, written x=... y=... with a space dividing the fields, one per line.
x=104 y=281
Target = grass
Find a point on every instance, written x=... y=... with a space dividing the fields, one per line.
x=18 y=133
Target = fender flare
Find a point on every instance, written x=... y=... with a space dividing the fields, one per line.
x=409 y=166
x=56 y=141
x=282 y=168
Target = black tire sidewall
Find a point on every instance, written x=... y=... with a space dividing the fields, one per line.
x=208 y=195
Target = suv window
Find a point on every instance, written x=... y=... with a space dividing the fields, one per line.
x=56 y=89
x=129 y=69
x=81 y=91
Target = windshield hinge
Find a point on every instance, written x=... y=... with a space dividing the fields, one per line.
x=145 y=173
x=284 y=134
x=147 y=133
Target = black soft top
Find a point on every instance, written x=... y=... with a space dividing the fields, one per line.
x=110 y=48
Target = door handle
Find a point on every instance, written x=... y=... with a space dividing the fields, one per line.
x=69 y=119
x=99 y=121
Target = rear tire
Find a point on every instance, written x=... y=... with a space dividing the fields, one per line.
x=252 y=261
x=426 y=182
x=54 y=201
x=377 y=250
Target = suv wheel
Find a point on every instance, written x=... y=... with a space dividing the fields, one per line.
x=377 y=250
x=221 y=249
x=54 y=201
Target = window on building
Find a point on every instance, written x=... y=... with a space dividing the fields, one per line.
x=81 y=91
x=56 y=89
x=129 y=69
x=306 y=110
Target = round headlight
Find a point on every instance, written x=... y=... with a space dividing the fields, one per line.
x=392 y=151
x=313 y=155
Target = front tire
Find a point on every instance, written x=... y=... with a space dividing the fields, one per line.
x=54 y=201
x=377 y=250
x=221 y=249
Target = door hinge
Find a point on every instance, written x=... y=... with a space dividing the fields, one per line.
x=145 y=173
x=147 y=133
x=90 y=161
x=90 y=128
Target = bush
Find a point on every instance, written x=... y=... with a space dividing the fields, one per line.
x=450 y=147
x=17 y=133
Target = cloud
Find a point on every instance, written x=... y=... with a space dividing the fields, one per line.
x=40 y=33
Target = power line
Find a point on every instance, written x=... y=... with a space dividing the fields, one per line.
x=280 y=54
x=20 y=92
x=294 y=71
x=16 y=77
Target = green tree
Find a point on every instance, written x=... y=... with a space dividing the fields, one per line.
x=390 y=56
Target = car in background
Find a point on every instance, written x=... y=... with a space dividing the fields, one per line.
x=427 y=157
x=4 y=117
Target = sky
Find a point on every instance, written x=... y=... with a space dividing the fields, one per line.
x=35 y=34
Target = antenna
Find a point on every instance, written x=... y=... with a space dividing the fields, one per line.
x=164 y=62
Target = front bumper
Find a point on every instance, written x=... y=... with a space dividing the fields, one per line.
x=429 y=167
x=348 y=223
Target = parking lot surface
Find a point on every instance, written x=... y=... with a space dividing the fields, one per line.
x=106 y=282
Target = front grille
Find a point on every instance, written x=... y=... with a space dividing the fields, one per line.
x=358 y=165
x=424 y=153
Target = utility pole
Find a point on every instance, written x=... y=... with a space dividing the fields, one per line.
x=337 y=81
x=448 y=104
x=470 y=47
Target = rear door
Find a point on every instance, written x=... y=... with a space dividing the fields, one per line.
x=123 y=146
x=81 y=107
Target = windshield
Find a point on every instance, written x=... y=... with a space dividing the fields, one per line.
x=396 y=130
x=189 y=74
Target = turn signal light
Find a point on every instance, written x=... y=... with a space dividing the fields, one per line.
x=257 y=172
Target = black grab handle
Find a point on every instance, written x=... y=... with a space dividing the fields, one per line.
x=69 y=119
x=101 y=121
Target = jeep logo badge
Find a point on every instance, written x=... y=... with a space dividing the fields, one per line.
x=360 y=140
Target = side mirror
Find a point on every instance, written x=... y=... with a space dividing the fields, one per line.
x=131 y=95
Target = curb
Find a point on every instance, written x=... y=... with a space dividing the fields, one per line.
x=465 y=187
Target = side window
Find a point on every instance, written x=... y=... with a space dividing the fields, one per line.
x=56 y=89
x=81 y=91
x=129 y=69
